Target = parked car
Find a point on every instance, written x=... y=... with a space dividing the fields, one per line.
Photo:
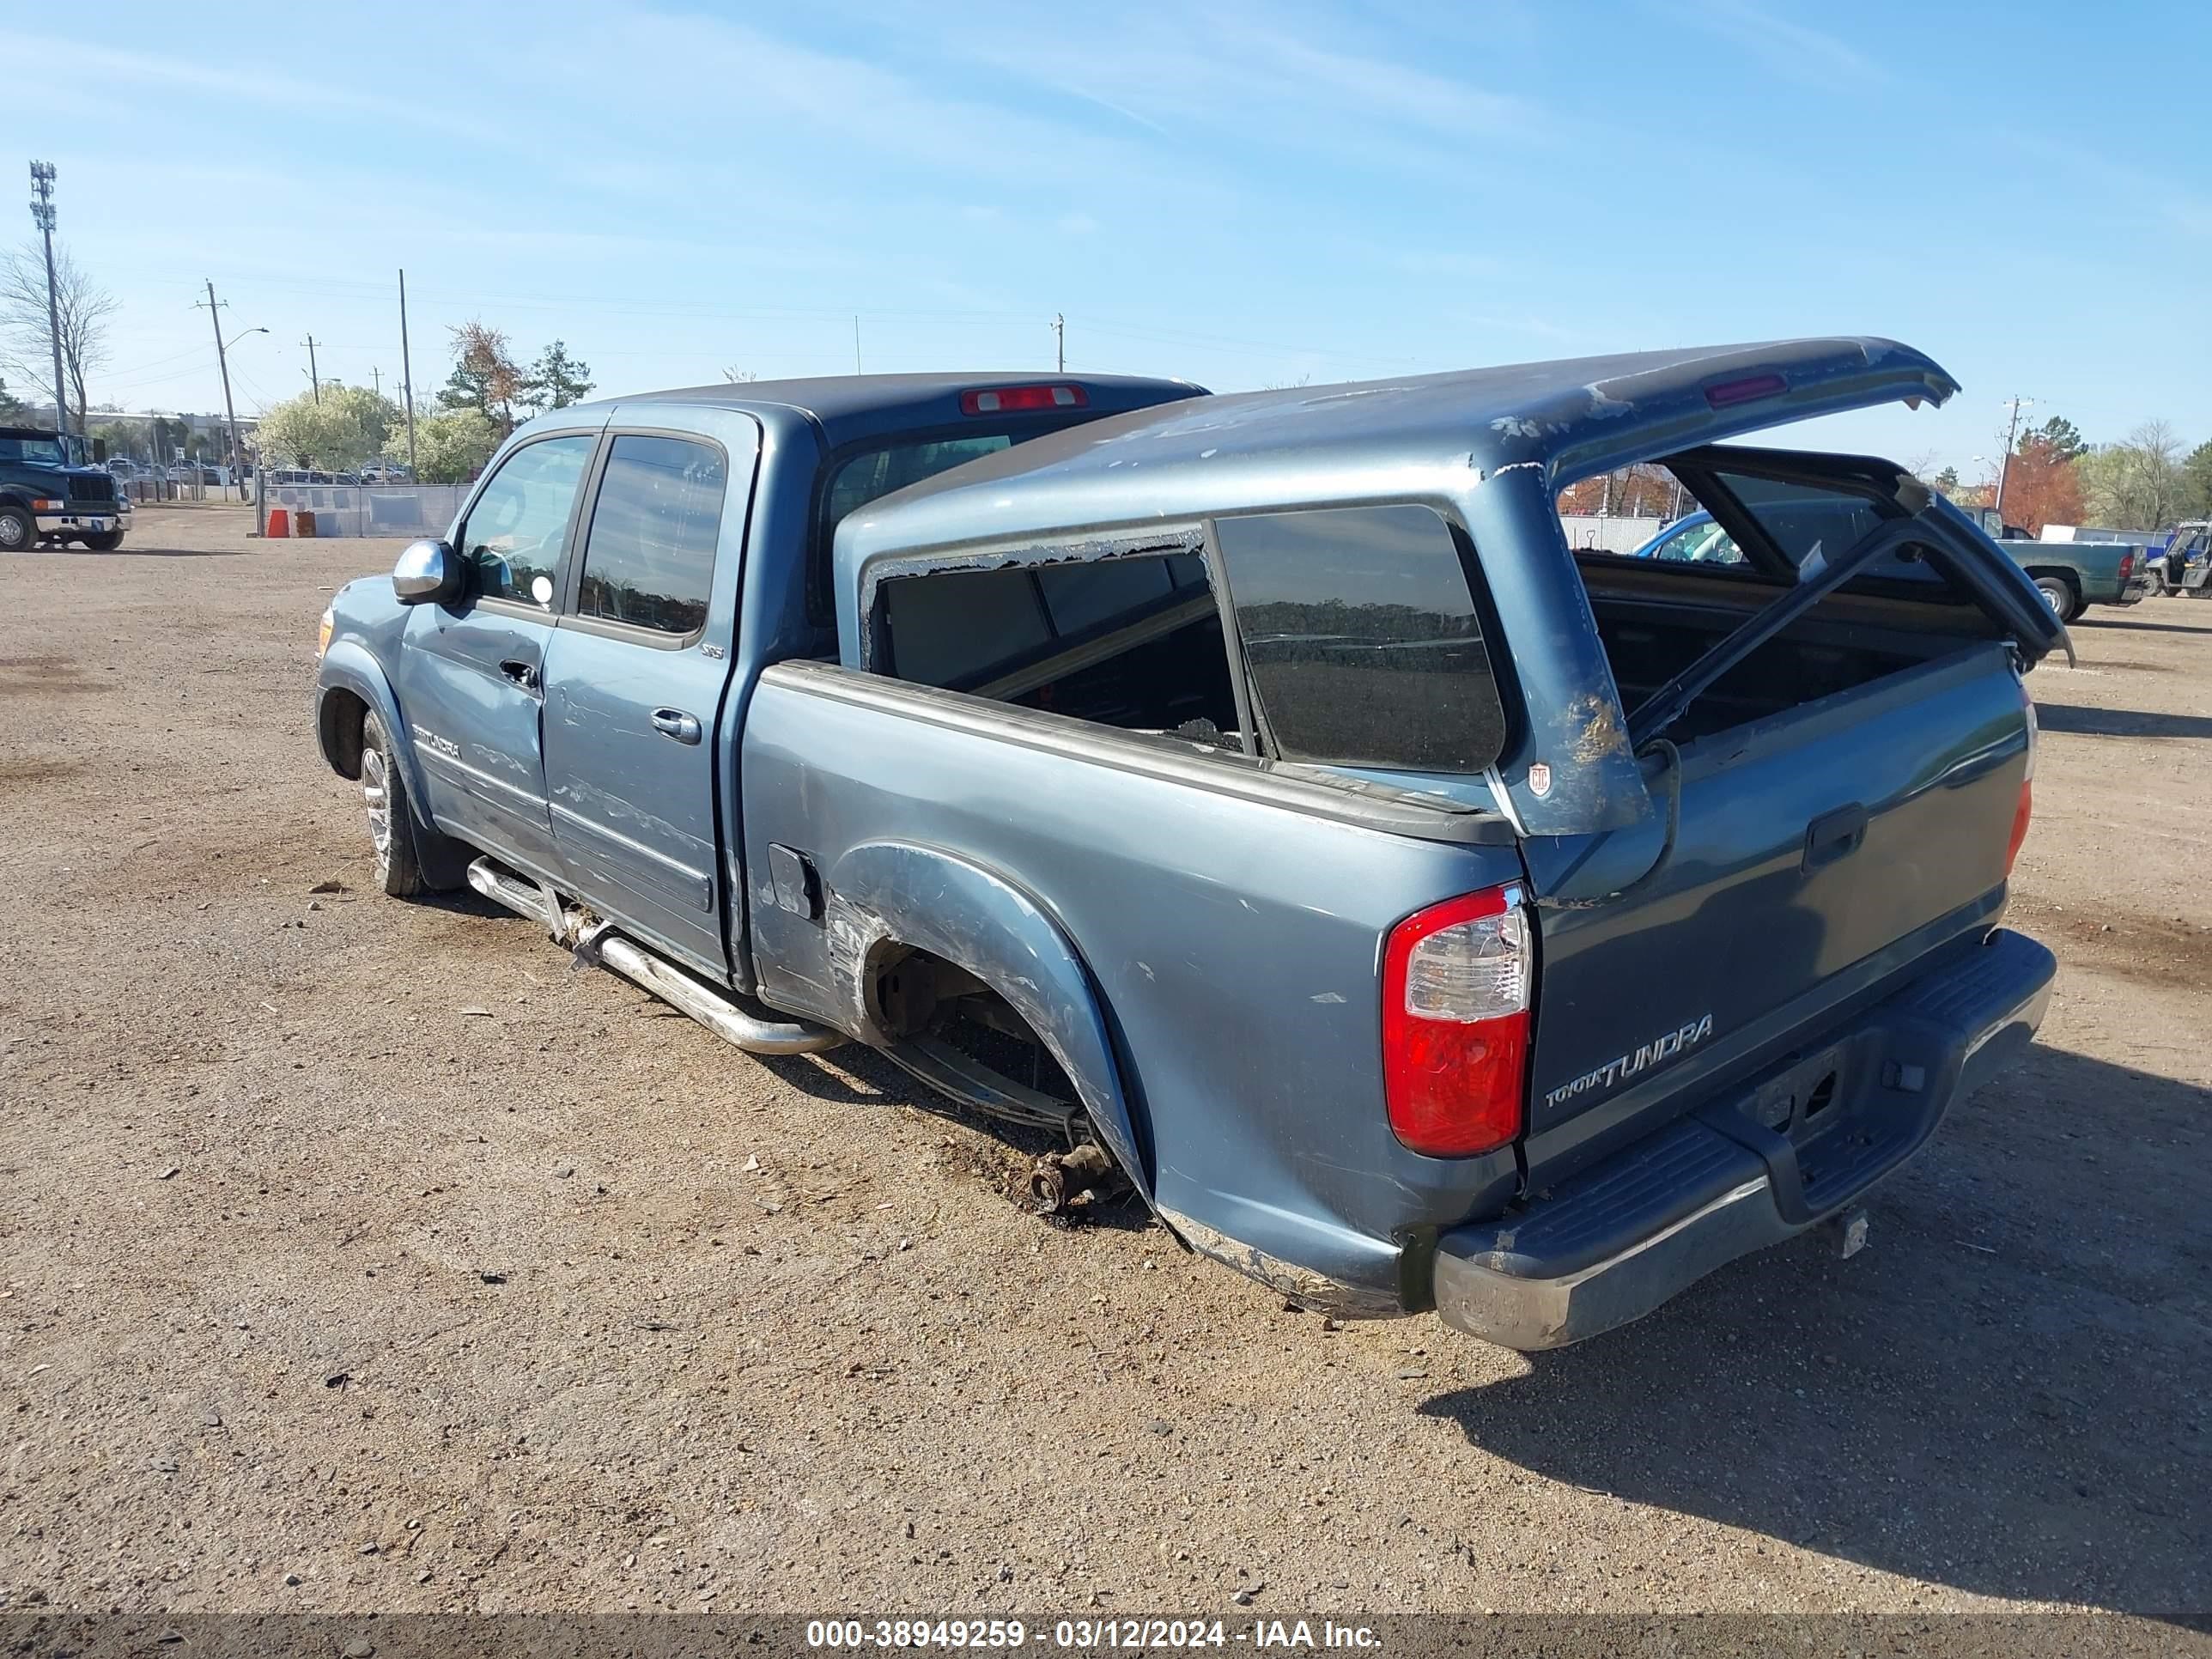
x=50 y=494
x=1695 y=538
x=1256 y=791
x=2069 y=575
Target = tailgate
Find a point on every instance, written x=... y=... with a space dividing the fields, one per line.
x=1819 y=856
x=1822 y=849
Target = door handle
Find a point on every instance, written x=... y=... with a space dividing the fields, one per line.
x=675 y=723
x=524 y=674
x=1833 y=835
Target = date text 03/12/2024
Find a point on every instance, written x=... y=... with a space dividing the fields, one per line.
x=1085 y=1634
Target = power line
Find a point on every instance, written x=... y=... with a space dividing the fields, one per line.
x=156 y=363
x=2004 y=465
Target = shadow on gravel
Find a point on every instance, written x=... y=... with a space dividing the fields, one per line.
x=2088 y=722
x=2200 y=622
x=128 y=551
x=2005 y=1393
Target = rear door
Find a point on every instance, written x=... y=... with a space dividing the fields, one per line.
x=1819 y=850
x=471 y=677
x=635 y=679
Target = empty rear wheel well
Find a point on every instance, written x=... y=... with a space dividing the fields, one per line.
x=340 y=718
x=917 y=995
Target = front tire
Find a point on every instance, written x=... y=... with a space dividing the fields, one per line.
x=391 y=814
x=2058 y=594
x=19 y=530
x=106 y=542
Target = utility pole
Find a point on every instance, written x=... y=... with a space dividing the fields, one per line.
x=42 y=215
x=1060 y=343
x=856 y=342
x=314 y=379
x=377 y=375
x=407 y=377
x=229 y=412
x=2004 y=465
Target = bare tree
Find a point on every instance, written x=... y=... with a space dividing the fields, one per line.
x=25 y=340
x=736 y=376
x=2138 y=484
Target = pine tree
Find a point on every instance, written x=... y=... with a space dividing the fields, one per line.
x=556 y=379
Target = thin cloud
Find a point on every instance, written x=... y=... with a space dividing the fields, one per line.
x=266 y=85
x=1796 y=50
x=1264 y=81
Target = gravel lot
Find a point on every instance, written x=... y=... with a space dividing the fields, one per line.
x=360 y=1254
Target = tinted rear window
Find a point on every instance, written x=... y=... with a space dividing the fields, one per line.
x=1363 y=639
x=859 y=479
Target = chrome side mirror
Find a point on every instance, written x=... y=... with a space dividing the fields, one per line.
x=427 y=572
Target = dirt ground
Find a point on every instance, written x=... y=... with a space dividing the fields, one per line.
x=362 y=1254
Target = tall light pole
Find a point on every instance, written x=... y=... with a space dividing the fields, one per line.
x=42 y=215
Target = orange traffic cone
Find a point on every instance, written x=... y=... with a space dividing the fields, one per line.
x=280 y=522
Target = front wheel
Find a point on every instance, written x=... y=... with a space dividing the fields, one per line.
x=18 y=529
x=2058 y=596
x=105 y=541
x=390 y=815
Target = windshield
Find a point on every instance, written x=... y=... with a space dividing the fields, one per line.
x=38 y=451
x=1702 y=542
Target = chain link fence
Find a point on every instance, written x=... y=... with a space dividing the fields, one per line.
x=401 y=511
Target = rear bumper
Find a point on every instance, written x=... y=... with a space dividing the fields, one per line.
x=1781 y=1154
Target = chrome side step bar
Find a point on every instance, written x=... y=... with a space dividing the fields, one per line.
x=520 y=895
x=715 y=1009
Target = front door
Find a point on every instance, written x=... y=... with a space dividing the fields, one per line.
x=470 y=679
x=634 y=680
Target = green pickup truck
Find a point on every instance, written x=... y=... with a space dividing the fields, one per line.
x=2071 y=575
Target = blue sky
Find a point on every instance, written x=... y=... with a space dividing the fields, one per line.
x=1242 y=194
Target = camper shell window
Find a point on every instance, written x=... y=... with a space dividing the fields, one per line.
x=1132 y=641
x=1357 y=640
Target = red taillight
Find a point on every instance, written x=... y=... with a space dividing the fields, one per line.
x=1455 y=981
x=1751 y=388
x=2026 y=810
x=2127 y=564
x=1022 y=399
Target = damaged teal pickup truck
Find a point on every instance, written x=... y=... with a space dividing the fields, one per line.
x=1257 y=790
